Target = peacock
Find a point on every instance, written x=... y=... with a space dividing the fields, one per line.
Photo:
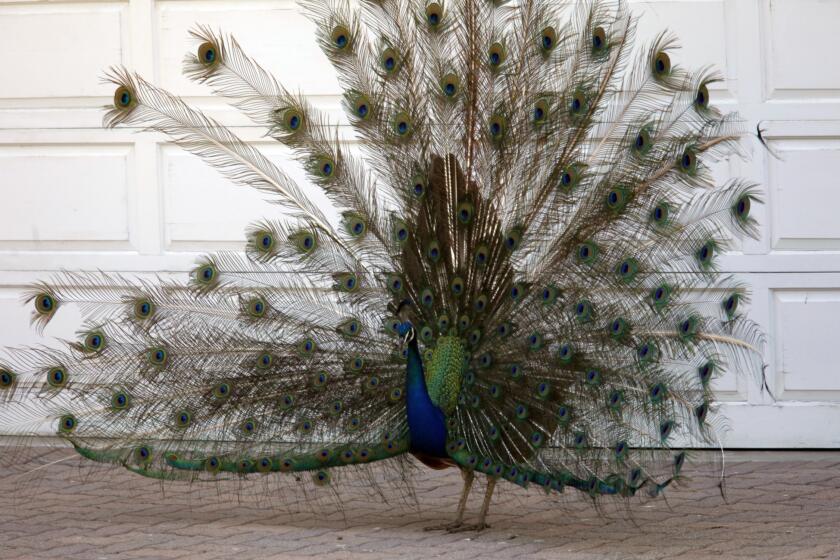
x=515 y=273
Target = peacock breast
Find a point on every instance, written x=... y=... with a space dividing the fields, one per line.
x=443 y=370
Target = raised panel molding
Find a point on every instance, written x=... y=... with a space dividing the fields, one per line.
x=806 y=335
x=804 y=194
x=203 y=210
x=52 y=50
x=795 y=33
x=67 y=196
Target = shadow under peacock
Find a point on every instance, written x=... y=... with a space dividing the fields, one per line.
x=521 y=283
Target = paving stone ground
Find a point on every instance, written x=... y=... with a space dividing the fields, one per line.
x=779 y=505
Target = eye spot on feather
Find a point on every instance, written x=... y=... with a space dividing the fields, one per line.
x=321 y=478
x=615 y=400
x=548 y=39
x=402 y=125
x=705 y=372
x=221 y=391
x=457 y=286
x=593 y=377
x=143 y=309
x=183 y=419
x=123 y=98
x=426 y=298
x=485 y=360
x=564 y=414
x=705 y=254
x=701 y=99
x=320 y=379
x=287 y=402
x=661 y=65
x=44 y=304
x=565 y=353
x=599 y=40
x=687 y=329
x=701 y=411
x=679 y=461
x=207 y=54
x=688 y=162
x=517 y=292
x=496 y=55
x=265 y=465
x=521 y=411
x=503 y=329
x=579 y=440
x=647 y=352
x=340 y=37
x=212 y=464
x=540 y=113
x=642 y=143
x=583 y=311
x=513 y=238
x=619 y=328
x=95 y=342
x=665 y=429
x=660 y=296
x=206 y=275
x=7 y=379
x=419 y=186
x=157 y=357
x=142 y=454
x=450 y=85
x=730 y=305
x=434 y=14
x=57 y=377
x=587 y=252
x=620 y=450
x=265 y=360
x=395 y=284
x=535 y=341
x=120 y=401
x=741 y=208
x=306 y=426
x=347 y=282
x=495 y=391
x=433 y=251
x=67 y=424
x=578 y=105
x=249 y=426
x=570 y=177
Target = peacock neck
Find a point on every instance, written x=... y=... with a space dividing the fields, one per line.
x=426 y=422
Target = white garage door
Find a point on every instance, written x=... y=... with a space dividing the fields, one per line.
x=78 y=197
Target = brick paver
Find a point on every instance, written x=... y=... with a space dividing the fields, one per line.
x=780 y=505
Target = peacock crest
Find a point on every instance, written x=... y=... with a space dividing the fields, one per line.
x=516 y=277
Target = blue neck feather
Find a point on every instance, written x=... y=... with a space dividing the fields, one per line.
x=426 y=422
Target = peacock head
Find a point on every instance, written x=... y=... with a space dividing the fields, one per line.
x=405 y=313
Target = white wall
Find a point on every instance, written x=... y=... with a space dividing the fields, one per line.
x=75 y=196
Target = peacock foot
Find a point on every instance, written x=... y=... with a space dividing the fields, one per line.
x=477 y=527
x=448 y=527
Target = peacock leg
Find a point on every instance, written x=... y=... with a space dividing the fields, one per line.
x=482 y=517
x=462 y=504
